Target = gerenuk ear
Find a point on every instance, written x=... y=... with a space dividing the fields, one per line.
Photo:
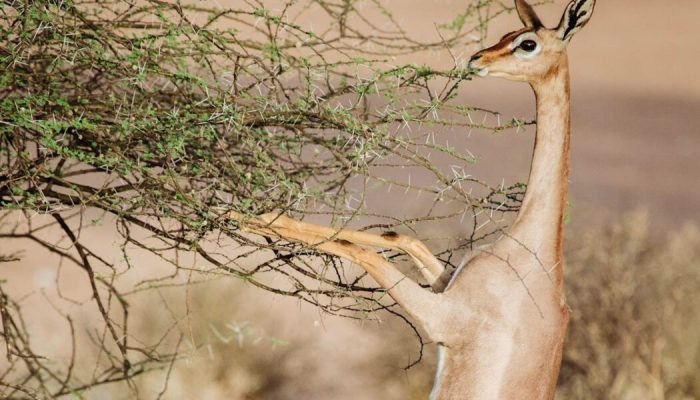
x=576 y=15
x=527 y=14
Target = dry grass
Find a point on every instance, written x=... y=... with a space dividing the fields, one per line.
x=635 y=328
x=634 y=333
x=241 y=345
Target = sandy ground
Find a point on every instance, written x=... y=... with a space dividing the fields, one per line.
x=635 y=102
x=636 y=122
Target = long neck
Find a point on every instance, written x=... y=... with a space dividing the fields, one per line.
x=539 y=223
x=519 y=358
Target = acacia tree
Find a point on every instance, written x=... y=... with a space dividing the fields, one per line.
x=164 y=119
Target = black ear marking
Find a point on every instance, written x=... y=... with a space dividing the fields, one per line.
x=576 y=15
x=527 y=15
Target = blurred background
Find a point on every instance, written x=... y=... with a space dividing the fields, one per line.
x=632 y=243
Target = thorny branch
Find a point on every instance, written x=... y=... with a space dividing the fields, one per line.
x=160 y=119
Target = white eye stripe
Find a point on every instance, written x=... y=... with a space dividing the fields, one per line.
x=525 y=36
x=526 y=55
x=515 y=43
x=522 y=54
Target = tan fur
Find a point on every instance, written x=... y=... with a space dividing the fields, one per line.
x=510 y=345
x=501 y=320
x=513 y=289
